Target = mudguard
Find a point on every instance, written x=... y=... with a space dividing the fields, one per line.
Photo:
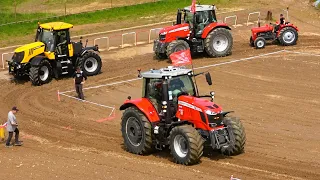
x=145 y=106
x=212 y=26
x=36 y=60
x=84 y=50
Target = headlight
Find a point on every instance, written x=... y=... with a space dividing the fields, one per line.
x=210 y=112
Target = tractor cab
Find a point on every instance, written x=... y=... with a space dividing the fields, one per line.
x=205 y=15
x=56 y=38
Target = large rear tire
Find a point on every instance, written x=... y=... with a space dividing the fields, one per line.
x=219 y=43
x=239 y=136
x=136 y=131
x=90 y=63
x=176 y=46
x=161 y=55
x=41 y=74
x=288 y=36
x=186 y=145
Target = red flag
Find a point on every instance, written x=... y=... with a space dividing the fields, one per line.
x=181 y=58
x=193 y=6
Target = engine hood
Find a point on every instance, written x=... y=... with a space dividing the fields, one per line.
x=200 y=104
x=262 y=28
x=27 y=47
x=175 y=28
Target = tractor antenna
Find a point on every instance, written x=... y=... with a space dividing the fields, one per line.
x=288 y=13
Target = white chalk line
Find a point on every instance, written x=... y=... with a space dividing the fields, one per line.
x=257 y=170
x=303 y=53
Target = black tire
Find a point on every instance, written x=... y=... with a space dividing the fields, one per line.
x=238 y=134
x=41 y=74
x=288 y=36
x=259 y=43
x=90 y=63
x=161 y=55
x=176 y=46
x=251 y=42
x=136 y=132
x=213 y=45
x=193 y=145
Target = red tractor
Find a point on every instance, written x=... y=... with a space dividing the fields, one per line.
x=199 y=32
x=171 y=113
x=286 y=34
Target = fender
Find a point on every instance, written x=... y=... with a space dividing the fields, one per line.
x=287 y=25
x=212 y=26
x=145 y=106
x=36 y=60
x=86 y=49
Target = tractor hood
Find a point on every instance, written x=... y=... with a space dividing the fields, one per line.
x=27 y=47
x=172 y=32
x=265 y=28
x=199 y=104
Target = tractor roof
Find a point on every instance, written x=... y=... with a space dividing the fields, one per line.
x=166 y=72
x=56 y=26
x=200 y=8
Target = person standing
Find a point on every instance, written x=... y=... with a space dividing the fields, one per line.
x=79 y=79
x=12 y=127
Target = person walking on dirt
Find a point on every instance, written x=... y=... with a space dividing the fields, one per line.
x=79 y=79
x=12 y=127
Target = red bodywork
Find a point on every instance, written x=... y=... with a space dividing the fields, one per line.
x=190 y=108
x=145 y=106
x=182 y=31
x=267 y=28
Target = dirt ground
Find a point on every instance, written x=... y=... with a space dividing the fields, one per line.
x=276 y=96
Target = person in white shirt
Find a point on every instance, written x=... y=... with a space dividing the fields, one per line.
x=12 y=127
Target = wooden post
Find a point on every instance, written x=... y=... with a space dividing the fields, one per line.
x=111 y=3
x=65 y=7
x=15 y=10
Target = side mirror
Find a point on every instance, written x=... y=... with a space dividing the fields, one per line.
x=208 y=78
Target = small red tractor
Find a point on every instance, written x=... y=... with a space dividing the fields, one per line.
x=171 y=113
x=286 y=34
x=200 y=32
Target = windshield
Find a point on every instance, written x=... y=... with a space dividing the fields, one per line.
x=181 y=84
x=47 y=37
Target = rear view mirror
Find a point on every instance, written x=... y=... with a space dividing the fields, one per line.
x=208 y=78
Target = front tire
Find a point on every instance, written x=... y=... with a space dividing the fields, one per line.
x=288 y=36
x=186 y=145
x=41 y=74
x=251 y=42
x=90 y=63
x=161 y=56
x=136 y=132
x=239 y=136
x=260 y=43
x=175 y=46
x=219 y=43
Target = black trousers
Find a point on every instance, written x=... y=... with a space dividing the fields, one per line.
x=79 y=91
x=10 y=137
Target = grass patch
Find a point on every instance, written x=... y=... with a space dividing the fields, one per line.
x=110 y=15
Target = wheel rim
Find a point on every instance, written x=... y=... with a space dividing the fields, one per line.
x=289 y=37
x=180 y=146
x=180 y=48
x=90 y=64
x=220 y=43
x=134 y=131
x=44 y=73
x=260 y=44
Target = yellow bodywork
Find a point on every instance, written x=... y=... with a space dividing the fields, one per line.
x=56 y=26
x=31 y=50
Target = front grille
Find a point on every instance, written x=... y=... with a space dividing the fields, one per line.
x=18 y=57
x=162 y=37
x=215 y=120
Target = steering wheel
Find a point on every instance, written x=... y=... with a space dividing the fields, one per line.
x=204 y=22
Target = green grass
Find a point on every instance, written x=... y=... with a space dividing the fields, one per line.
x=104 y=16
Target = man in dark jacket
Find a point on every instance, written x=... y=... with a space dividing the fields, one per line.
x=79 y=79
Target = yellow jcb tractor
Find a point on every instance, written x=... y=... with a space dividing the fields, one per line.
x=53 y=54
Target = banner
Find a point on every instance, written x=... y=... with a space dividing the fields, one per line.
x=193 y=6
x=181 y=58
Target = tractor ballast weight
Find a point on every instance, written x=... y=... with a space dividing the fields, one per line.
x=199 y=32
x=53 y=54
x=172 y=114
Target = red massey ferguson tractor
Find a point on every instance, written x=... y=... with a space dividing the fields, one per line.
x=286 y=34
x=171 y=113
x=199 y=32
